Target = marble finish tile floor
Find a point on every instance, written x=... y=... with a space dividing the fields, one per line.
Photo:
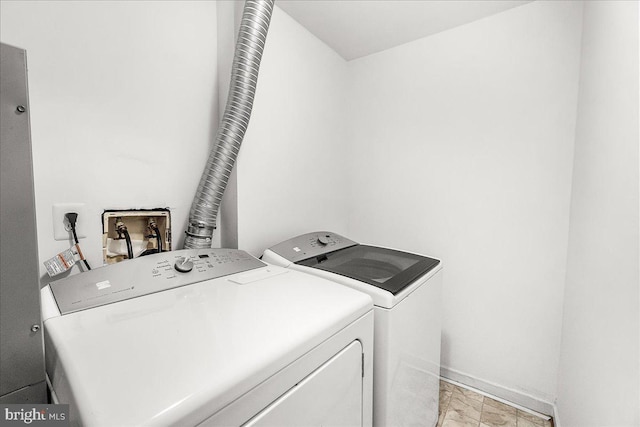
x=460 y=407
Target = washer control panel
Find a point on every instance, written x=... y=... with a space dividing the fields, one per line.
x=147 y=275
x=311 y=245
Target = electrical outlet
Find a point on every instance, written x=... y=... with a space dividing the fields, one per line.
x=61 y=227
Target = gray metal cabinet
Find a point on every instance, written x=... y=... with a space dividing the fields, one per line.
x=21 y=351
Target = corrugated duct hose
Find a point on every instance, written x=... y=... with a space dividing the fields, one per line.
x=244 y=78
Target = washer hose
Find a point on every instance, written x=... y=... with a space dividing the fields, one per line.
x=244 y=78
x=123 y=232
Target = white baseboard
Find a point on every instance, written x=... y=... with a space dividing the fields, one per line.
x=556 y=416
x=514 y=397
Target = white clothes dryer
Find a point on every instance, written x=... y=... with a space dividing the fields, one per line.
x=208 y=337
x=406 y=290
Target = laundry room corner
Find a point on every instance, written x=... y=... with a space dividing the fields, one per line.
x=292 y=170
x=382 y=213
x=478 y=121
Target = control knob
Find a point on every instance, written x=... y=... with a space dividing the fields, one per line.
x=183 y=264
x=323 y=239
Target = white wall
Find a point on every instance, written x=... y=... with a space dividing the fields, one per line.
x=599 y=375
x=291 y=171
x=123 y=106
x=462 y=149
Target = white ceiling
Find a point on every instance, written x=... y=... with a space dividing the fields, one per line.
x=356 y=28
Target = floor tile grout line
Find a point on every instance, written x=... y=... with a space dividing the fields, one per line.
x=481 y=398
x=506 y=402
x=464 y=414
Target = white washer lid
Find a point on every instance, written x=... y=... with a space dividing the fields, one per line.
x=178 y=356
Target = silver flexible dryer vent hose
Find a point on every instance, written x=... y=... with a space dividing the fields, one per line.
x=244 y=78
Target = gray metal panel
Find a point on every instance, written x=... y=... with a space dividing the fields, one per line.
x=310 y=245
x=21 y=355
x=35 y=393
x=147 y=275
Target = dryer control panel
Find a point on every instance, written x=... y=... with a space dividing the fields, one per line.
x=147 y=275
x=311 y=245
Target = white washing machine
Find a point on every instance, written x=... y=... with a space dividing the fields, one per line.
x=208 y=337
x=406 y=290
